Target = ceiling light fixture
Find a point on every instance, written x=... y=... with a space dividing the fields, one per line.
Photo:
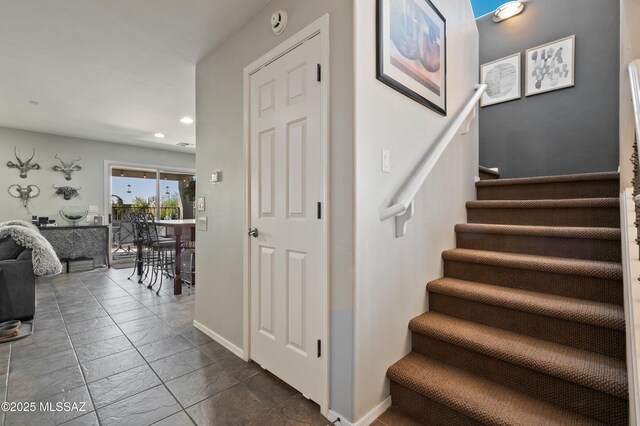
x=34 y=102
x=159 y=135
x=508 y=10
x=186 y=120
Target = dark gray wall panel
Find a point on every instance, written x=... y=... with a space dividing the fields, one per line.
x=573 y=130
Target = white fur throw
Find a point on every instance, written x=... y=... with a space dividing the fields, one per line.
x=19 y=223
x=44 y=258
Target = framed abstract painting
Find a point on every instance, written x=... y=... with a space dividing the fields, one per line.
x=412 y=51
x=551 y=66
x=503 y=80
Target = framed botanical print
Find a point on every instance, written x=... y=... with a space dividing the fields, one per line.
x=551 y=66
x=412 y=51
x=503 y=80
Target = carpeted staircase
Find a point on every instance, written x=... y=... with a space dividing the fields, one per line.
x=527 y=325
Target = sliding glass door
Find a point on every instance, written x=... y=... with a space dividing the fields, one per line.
x=165 y=194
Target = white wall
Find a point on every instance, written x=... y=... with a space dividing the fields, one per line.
x=629 y=50
x=90 y=178
x=219 y=105
x=391 y=274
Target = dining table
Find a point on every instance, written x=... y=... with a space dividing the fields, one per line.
x=179 y=227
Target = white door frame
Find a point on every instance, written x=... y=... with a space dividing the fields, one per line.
x=318 y=28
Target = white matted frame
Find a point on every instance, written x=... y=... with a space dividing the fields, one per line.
x=503 y=78
x=533 y=67
x=320 y=28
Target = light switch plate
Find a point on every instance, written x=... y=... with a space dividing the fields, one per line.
x=386 y=161
x=202 y=223
x=201 y=204
x=216 y=176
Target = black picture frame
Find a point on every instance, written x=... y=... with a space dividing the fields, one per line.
x=431 y=99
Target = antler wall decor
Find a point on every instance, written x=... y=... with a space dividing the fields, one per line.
x=23 y=166
x=67 y=192
x=24 y=193
x=67 y=168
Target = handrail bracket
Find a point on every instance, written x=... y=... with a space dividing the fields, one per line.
x=401 y=221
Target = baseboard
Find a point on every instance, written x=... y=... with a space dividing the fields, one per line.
x=367 y=419
x=218 y=338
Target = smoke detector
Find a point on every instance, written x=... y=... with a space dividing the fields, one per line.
x=279 y=22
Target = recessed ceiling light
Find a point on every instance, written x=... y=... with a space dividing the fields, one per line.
x=186 y=120
x=34 y=102
x=159 y=135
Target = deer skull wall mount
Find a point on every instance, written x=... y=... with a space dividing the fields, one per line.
x=67 y=192
x=67 y=168
x=23 y=166
x=24 y=193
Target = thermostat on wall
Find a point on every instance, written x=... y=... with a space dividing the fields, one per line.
x=216 y=176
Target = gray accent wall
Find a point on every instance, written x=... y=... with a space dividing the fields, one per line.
x=573 y=130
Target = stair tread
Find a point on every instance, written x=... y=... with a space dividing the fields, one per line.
x=541 y=231
x=475 y=397
x=545 y=204
x=596 y=371
x=592 y=268
x=552 y=179
x=570 y=309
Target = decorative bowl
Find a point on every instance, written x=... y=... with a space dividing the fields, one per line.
x=74 y=214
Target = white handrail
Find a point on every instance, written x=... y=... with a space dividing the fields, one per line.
x=631 y=264
x=402 y=207
x=634 y=75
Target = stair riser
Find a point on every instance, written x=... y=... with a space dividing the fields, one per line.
x=583 y=400
x=578 y=335
x=573 y=248
x=604 y=217
x=551 y=191
x=581 y=287
x=426 y=410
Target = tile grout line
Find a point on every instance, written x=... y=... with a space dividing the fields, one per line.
x=161 y=380
x=73 y=346
x=6 y=383
x=137 y=350
x=84 y=378
x=153 y=313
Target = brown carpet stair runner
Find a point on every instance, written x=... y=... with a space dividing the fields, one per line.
x=527 y=325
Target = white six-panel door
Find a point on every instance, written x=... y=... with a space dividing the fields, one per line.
x=287 y=185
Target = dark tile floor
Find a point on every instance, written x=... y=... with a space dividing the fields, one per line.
x=125 y=356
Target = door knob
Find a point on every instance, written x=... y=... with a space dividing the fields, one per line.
x=253 y=232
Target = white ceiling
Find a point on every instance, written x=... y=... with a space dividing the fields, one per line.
x=111 y=70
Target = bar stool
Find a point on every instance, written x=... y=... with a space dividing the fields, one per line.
x=161 y=253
